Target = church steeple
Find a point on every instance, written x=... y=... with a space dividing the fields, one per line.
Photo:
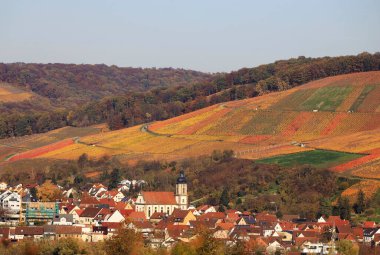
x=181 y=191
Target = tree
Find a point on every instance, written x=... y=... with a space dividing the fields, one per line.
x=224 y=197
x=208 y=245
x=48 y=192
x=344 y=208
x=82 y=160
x=125 y=242
x=346 y=247
x=182 y=248
x=360 y=202
x=324 y=207
x=114 y=179
x=33 y=192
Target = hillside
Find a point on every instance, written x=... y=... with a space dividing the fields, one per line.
x=85 y=95
x=71 y=85
x=340 y=113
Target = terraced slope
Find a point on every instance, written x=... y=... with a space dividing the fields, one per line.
x=339 y=113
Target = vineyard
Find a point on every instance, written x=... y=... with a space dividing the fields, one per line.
x=337 y=121
x=27 y=145
x=369 y=187
x=369 y=170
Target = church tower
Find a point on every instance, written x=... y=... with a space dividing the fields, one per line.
x=181 y=191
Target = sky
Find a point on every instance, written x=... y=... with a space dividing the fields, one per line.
x=203 y=35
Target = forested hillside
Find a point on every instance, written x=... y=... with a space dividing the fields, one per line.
x=84 y=95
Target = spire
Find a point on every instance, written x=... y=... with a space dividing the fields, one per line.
x=182 y=178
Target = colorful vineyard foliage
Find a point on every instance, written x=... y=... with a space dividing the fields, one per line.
x=42 y=150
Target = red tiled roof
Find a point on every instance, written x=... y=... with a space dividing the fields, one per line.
x=112 y=225
x=285 y=225
x=212 y=215
x=337 y=221
x=68 y=230
x=4 y=232
x=87 y=200
x=90 y=212
x=369 y=224
x=29 y=231
x=108 y=201
x=136 y=216
x=225 y=225
x=300 y=240
x=79 y=211
x=126 y=212
x=179 y=214
x=120 y=205
x=358 y=232
x=203 y=207
x=266 y=217
x=142 y=224
x=157 y=216
x=159 y=198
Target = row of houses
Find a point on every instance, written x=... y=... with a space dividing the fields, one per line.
x=166 y=218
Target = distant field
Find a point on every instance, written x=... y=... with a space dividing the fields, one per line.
x=316 y=158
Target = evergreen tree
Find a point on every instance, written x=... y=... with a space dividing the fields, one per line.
x=114 y=179
x=344 y=208
x=324 y=207
x=360 y=202
x=224 y=198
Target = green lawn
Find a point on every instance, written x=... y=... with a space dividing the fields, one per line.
x=316 y=158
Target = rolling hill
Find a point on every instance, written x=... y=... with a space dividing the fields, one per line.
x=338 y=116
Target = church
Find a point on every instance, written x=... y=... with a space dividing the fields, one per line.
x=150 y=202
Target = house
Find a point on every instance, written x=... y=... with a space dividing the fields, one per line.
x=205 y=209
x=63 y=219
x=116 y=195
x=3 y=185
x=246 y=220
x=181 y=217
x=144 y=227
x=369 y=234
x=10 y=202
x=164 y=202
x=157 y=217
x=217 y=216
x=88 y=201
x=96 y=189
x=28 y=232
x=274 y=245
x=317 y=248
x=112 y=227
x=89 y=215
x=223 y=230
x=68 y=232
x=116 y=216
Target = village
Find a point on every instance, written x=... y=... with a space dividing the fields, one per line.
x=166 y=218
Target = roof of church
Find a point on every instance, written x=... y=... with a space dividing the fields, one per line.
x=159 y=198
